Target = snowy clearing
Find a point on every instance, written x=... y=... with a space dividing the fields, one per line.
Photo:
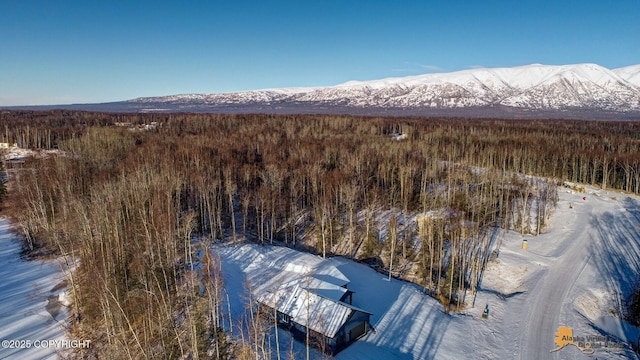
x=32 y=299
x=408 y=323
x=15 y=153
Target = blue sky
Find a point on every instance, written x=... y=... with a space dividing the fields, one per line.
x=59 y=52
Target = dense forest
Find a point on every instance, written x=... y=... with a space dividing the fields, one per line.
x=131 y=201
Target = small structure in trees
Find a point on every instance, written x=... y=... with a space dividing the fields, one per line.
x=315 y=306
x=398 y=136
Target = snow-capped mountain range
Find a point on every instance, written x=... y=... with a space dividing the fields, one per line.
x=581 y=90
x=584 y=87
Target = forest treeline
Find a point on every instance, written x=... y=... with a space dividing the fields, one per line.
x=129 y=205
x=596 y=152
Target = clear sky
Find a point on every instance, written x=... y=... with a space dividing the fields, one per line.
x=62 y=51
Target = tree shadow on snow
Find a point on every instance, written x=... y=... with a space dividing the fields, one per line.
x=616 y=250
x=616 y=253
x=408 y=323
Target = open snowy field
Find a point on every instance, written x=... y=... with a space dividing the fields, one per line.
x=31 y=316
x=574 y=275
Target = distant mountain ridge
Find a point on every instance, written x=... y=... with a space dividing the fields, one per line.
x=573 y=91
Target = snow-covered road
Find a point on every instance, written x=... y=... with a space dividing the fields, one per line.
x=547 y=296
x=571 y=276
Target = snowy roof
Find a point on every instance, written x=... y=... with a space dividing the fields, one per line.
x=313 y=297
x=325 y=316
x=325 y=289
x=330 y=274
x=286 y=280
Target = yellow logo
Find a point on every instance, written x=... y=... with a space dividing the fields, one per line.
x=564 y=337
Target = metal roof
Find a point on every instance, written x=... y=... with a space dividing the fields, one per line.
x=312 y=299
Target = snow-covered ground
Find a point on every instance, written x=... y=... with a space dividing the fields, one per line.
x=573 y=275
x=408 y=323
x=32 y=318
x=15 y=153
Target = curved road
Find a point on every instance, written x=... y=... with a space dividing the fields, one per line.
x=546 y=298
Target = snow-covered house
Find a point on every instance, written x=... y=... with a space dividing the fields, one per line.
x=318 y=303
